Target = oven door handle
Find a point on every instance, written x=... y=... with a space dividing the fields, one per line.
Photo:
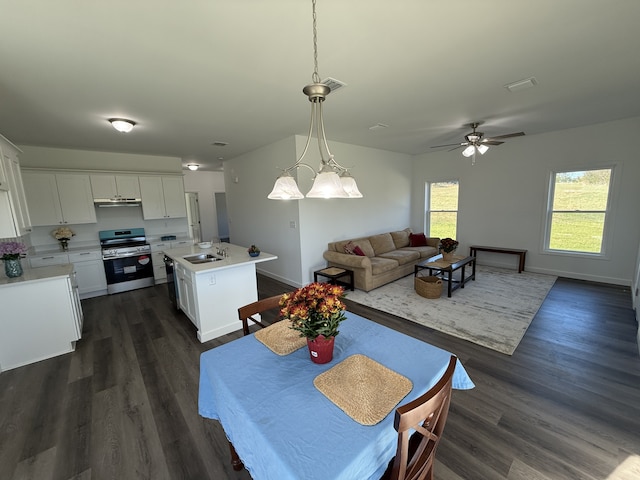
x=126 y=255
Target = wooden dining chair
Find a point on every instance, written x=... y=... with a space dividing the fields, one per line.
x=247 y=312
x=426 y=415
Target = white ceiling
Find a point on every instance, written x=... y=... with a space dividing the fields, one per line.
x=192 y=72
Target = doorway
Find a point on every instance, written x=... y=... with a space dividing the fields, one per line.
x=193 y=216
x=221 y=213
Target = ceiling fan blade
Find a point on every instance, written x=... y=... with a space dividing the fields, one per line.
x=508 y=135
x=491 y=142
x=459 y=146
x=451 y=145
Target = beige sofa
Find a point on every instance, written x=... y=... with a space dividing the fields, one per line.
x=388 y=256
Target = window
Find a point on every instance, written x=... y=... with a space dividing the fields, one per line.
x=442 y=209
x=578 y=210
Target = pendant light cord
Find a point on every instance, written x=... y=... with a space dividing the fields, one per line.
x=315 y=77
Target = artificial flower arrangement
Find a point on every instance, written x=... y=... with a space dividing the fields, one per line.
x=448 y=245
x=253 y=250
x=12 y=250
x=63 y=233
x=315 y=309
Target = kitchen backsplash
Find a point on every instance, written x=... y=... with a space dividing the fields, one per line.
x=108 y=219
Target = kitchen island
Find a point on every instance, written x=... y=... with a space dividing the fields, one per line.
x=211 y=292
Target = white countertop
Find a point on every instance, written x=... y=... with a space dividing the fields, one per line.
x=37 y=274
x=237 y=255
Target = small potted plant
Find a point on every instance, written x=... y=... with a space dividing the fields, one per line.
x=316 y=311
x=63 y=235
x=10 y=252
x=253 y=251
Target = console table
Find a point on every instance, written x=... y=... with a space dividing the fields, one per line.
x=473 y=249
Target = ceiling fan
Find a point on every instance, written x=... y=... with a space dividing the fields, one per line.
x=475 y=142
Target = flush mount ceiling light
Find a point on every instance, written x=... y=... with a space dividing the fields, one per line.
x=193 y=166
x=122 y=125
x=332 y=180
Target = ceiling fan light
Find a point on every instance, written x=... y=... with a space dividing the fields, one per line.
x=467 y=152
x=482 y=149
x=327 y=184
x=285 y=188
x=122 y=125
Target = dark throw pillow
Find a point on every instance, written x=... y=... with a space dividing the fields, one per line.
x=358 y=251
x=417 y=240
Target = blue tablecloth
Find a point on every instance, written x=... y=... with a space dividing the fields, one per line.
x=284 y=428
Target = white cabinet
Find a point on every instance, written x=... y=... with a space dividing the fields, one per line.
x=48 y=259
x=186 y=293
x=60 y=198
x=41 y=317
x=90 y=275
x=162 y=197
x=157 y=258
x=14 y=214
x=115 y=186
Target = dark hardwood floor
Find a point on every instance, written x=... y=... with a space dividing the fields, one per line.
x=566 y=405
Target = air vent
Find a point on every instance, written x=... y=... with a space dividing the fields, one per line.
x=219 y=144
x=333 y=84
x=378 y=126
x=522 y=84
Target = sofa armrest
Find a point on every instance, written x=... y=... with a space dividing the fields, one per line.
x=353 y=261
x=433 y=242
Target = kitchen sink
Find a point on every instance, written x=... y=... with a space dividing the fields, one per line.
x=201 y=258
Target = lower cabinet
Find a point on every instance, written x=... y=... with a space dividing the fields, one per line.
x=41 y=318
x=186 y=293
x=87 y=264
x=90 y=275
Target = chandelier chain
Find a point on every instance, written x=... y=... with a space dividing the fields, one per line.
x=315 y=77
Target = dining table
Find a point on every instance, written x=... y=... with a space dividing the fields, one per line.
x=283 y=427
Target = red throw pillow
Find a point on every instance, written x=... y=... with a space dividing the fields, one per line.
x=358 y=251
x=417 y=240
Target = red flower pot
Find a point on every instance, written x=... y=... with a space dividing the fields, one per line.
x=321 y=349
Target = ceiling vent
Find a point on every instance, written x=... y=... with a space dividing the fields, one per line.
x=522 y=84
x=333 y=84
x=378 y=126
x=219 y=144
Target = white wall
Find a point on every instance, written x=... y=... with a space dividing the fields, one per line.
x=205 y=184
x=503 y=197
x=383 y=177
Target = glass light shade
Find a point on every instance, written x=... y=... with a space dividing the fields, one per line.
x=482 y=149
x=124 y=126
x=349 y=185
x=467 y=152
x=193 y=166
x=327 y=185
x=285 y=188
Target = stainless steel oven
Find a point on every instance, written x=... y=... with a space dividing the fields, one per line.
x=127 y=259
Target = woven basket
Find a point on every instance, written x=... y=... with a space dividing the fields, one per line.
x=428 y=287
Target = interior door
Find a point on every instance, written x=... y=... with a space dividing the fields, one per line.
x=193 y=216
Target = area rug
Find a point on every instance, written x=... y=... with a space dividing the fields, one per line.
x=494 y=311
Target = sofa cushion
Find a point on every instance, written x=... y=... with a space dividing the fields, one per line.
x=401 y=238
x=424 y=252
x=382 y=243
x=417 y=240
x=363 y=243
x=402 y=256
x=381 y=265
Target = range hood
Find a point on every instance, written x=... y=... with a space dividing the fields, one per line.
x=117 y=202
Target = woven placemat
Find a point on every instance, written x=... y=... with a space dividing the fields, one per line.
x=281 y=339
x=442 y=263
x=363 y=389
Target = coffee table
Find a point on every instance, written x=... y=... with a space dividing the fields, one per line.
x=446 y=270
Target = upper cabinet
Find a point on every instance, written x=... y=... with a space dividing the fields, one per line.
x=14 y=214
x=115 y=186
x=61 y=198
x=162 y=197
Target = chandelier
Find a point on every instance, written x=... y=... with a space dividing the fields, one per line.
x=332 y=179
